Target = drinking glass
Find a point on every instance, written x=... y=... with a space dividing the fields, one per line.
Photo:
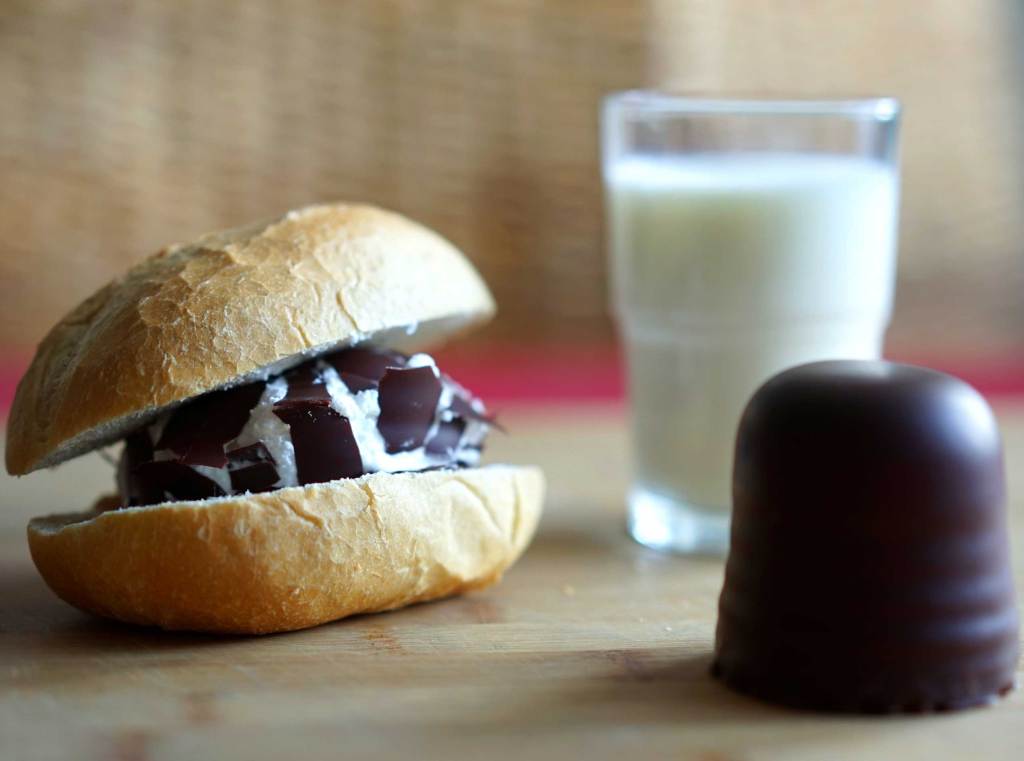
x=745 y=237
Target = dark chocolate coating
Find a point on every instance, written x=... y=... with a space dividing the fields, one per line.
x=869 y=565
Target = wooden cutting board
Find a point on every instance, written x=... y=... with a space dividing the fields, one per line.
x=592 y=646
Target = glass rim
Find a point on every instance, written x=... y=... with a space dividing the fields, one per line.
x=883 y=108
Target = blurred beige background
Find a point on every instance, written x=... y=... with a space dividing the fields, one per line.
x=128 y=125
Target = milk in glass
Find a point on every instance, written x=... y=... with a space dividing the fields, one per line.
x=728 y=268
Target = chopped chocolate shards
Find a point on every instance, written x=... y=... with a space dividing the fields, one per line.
x=252 y=469
x=388 y=413
x=408 y=402
x=357 y=383
x=250 y=455
x=197 y=432
x=365 y=362
x=325 y=448
x=464 y=408
x=166 y=479
x=261 y=476
x=137 y=450
x=447 y=438
x=305 y=388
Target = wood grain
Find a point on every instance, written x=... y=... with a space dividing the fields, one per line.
x=592 y=646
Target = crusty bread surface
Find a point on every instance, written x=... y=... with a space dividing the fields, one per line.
x=226 y=308
x=294 y=557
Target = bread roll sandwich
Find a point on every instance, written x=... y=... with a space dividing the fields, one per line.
x=291 y=456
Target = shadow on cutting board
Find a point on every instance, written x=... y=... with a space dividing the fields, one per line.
x=644 y=687
x=48 y=626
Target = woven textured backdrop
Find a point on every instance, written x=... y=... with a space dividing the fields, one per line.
x=128 y=125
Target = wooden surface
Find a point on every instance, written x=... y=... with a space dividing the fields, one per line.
x=592 y=645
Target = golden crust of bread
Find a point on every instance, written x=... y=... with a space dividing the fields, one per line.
x=294 y=557
x=200 y=316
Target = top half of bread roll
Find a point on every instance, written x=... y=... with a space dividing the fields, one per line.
x=232 y=307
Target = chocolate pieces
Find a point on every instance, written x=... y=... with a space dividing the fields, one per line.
x=408 y=402
x=325 y=448
x=189 y=457
x=357 y=383
x=365 y=362
x=252 y=469
x=305 y=388
x=362 y=367
x=137 y=450
x=165 y=480
x=197 y=432
x=447 y=438
x=464 y=408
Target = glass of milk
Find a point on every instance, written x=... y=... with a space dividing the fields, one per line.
x=745 y=236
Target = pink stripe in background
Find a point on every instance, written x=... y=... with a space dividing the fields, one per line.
x=595 y=374
x=520 y=375
x=10 y=373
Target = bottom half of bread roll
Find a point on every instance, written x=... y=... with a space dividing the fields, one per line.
x=295 y=557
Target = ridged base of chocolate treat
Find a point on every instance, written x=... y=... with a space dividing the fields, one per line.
x=794 y=695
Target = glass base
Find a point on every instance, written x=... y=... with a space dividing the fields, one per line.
x=665 y=524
